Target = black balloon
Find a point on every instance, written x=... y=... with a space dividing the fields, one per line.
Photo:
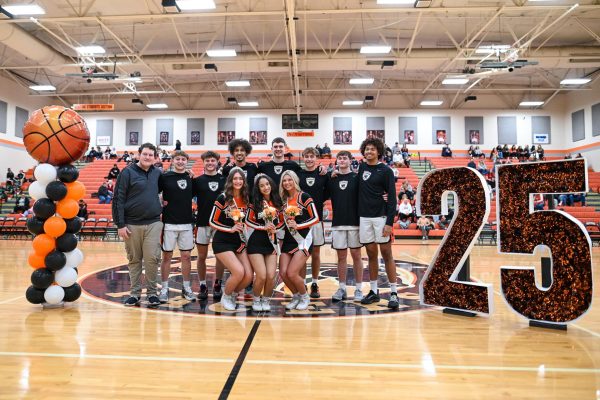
x=56 y=190
x=42 y=278
x=66 y=242
x=55 y=260
x=34 y=296
x=35 y=225
x=72 y=292
x=73 y=225
x=67 y=173
x=44 y=208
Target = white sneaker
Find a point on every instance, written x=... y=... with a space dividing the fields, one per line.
x=358 y=295
x=339 y=295
x=304 y=302
x=257 y=304
x=188 y=294
x=228 y=302
x=163 y=297
x=292 y=304
x=265 y=304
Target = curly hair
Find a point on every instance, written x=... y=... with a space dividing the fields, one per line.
x=257 y=197
x=378 y=143
x=240 y=142
x=228 y=190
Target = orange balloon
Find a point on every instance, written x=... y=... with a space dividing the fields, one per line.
x=55 y=226
x=67 y=208
x=75 y=190
x=36 y=261
x=43 y=244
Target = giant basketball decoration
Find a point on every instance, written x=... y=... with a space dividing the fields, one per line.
x=56 y=135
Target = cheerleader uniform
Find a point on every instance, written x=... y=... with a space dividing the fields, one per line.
x=305 y=220
x=225 y=239
x=258 y=238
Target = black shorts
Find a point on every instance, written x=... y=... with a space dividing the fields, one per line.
x=291 y=247
x=223 y=241
x=259 y=243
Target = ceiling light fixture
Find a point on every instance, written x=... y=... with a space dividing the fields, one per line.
x=375 y=49
x=248 y=103
x=362 y=81
x=89 y=50
x=157 y=106
x=352 y=102
x=42 y=88
x=395 y=2
x=455 y=81
x=24 y=9
x=190 y=5
x=432 y=102
x=531 y=103
x=575 y=81
x=237 y=83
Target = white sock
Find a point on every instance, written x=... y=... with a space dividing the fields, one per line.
x=393 y=288
x=186 y=284
x=165 y=285
x=342 y=286
x=314 y=280
x=374 y=286
x=203 y=282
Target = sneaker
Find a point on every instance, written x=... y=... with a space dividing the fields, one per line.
x=217 y=292
x=304 y=302
x=393 y=302
x=163 y=296
x=257 y=304
x=314 y=290
x=358 y=295
x=371 y=298
x=292 y=304
x=132 y=301
x=188 y=294
x=339 y=295
x=265 y=304
x=203 y=293
x=153 y=301
x=228 y=303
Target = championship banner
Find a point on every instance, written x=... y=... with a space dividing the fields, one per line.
x=93 y=107
x=301 y=134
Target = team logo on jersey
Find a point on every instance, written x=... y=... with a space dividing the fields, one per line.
x=343 y=185
x=213 y=186
x=278 y=169
x=366 y=175
x=310 y=181
x=182 y=184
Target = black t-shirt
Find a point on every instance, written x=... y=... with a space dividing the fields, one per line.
x=343 y=190
x=315 y=185
x=206 y=189
x=274 y=170
x=250 y=170
x=177 y=191
x=373 y=182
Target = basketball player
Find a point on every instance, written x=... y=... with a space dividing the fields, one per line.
x=278 y=163
x=206 y=189
x=375 y=179
x=343 y=189
x=178 y=220
x=239 y=150
x=136 y=213
x=315 y=184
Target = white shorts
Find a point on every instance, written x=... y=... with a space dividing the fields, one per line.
x=345 y=238
x=317 y=234
x=371 y=230
x=182 y=235
x=204 y=235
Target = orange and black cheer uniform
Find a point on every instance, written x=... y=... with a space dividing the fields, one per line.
x=226 y=239
x=302 y=239
x=258 y=240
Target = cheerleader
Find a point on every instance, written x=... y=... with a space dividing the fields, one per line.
x=229 y=241
x=264 y=219
x=300 y=214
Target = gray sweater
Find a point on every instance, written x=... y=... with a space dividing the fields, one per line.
x=136 y=200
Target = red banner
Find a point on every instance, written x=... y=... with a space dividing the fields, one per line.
x=93 y=107
x=301 y=134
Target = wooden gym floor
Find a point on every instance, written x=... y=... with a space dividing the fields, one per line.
x=94 y=348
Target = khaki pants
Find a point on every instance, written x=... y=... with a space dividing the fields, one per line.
x=143 y=245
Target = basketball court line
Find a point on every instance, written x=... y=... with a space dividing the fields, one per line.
x=11 y=300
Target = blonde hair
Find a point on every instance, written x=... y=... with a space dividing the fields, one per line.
x=282 y=192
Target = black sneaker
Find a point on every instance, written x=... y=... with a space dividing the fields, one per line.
x=153 y=301
x=393 y=302
x=314 y=290
x=372 y=297
x=132 y=301
x=203 y=293
x=217 y=292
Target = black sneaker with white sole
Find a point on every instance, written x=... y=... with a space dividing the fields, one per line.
x=217 y=292
x=132 y=301
x=393 y=302
x=153 y=301
x=314 y=291
x=203 y=293
x=371 y=298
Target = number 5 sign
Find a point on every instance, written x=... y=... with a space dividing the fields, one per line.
x=520 y=230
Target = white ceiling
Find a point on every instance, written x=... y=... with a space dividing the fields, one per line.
x=168 y=50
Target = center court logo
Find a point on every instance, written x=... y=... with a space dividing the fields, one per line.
x=113 y=285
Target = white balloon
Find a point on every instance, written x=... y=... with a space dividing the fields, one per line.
x=54 y=294
x=45 y=173
x=74 y=258
x=37 y=190
x=65 y=276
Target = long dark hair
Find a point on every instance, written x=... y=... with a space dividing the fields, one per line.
x=257 y=197
x=228 y=190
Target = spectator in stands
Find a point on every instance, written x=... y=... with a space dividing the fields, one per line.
x=104 y=195
x=21 y=204
x=10 y=189
x=164 y=156
x=396 y=148
x=505 y=151
x=177 y=145
x=471 y=163
x=404 y=151
x=10 y=175
x=481 y=167
x=407 y=160
x=526 y=153
x=114 y=172
x=354 y=164
x=157 y=163
x=126 y=157
x=425 y=225
x=494 y=155
x=106 y=154
x=388 y=156
x=513 y=153
x=27 y=213
x=405 y=212
x=91 y=155
x=326 y=151
x=406 y=189
x=540 y=152
x=330 y=168
x=538 y=202
x=83 y=210
x=499 y=151
x=3 y=195
x=110 y=185
x=570 y=199
x=568 y=156
x=20 y=177
x=446 y=152
x=471 y=151
x=113 y=153
x=477 y=152
x=519 y=153
x=397 y=158
x=579 y=155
